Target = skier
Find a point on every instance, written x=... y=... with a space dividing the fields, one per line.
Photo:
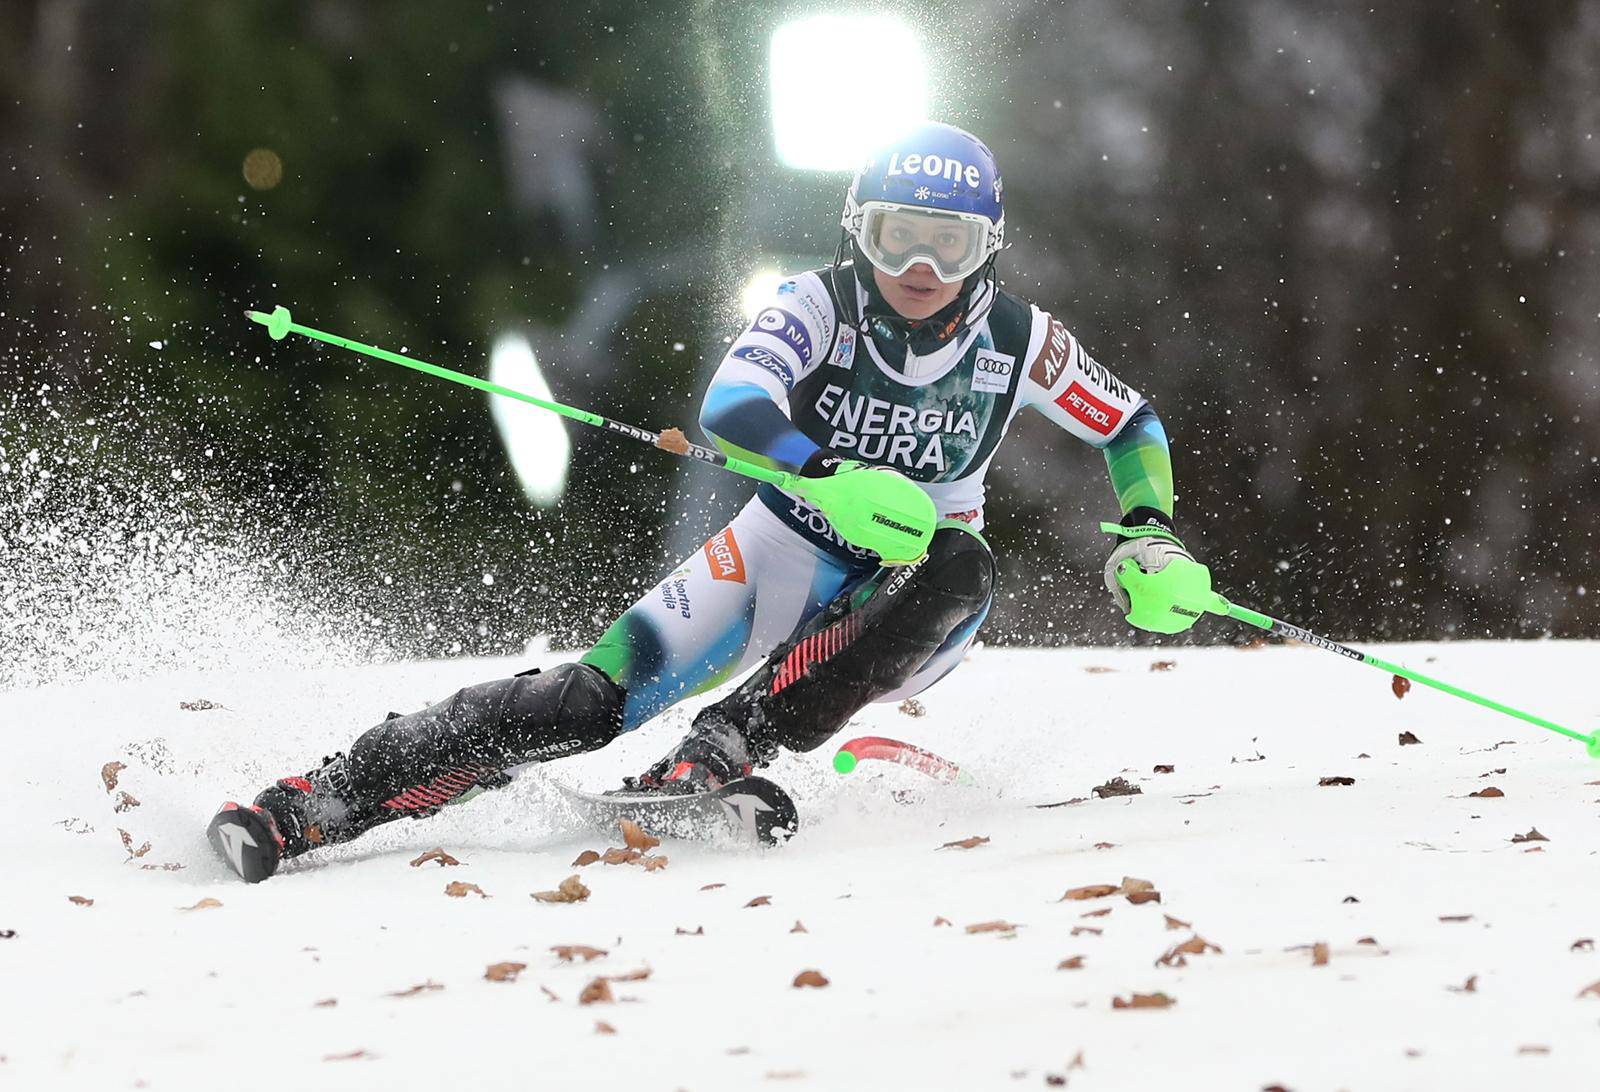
x=904 y=353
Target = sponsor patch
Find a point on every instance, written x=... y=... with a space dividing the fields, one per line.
x=787 y=288
x=722 y=555
x=675 y=594
x=844 y=349
x=1097 y=415
x=991 y=372
x=1052 y=356
x=767 y=359
x=786 y=328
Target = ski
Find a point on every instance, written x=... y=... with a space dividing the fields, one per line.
x=247 y=841
x=747 y=811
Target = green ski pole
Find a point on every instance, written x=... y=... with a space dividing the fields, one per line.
x=1190 y=595
x=882 y=512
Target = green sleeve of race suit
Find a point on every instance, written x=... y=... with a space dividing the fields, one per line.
x=1141 y=463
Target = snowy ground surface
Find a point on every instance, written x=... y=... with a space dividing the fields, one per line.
x=306 y=981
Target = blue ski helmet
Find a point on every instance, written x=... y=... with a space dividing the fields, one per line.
x=933 y=196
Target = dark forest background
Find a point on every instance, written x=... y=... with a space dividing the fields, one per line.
x=1349 y=252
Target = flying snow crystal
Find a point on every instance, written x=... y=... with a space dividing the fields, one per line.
x=535 y=440
x=882 y=101
x=158 y=345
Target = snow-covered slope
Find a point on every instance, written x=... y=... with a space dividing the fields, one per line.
x=1473 y=981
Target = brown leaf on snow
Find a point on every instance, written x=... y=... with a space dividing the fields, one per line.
x=1372 y=941
x=992 y=927
x=1117 y=786
x=1407 y=739
x=1470 y=986
x=814 y=979
x=1319 y=954
x=126 y=801
x=634 y=837
x=597 y=992
x=458 y=890
x=712 y=886
x=967 y=843
x=653 y=863
x=1073 y=963
x=1139 y=898
x=618 y=855
x=570 y=889
x=587 y=857
x=697 y=931
x=435 y=854
x=108 y=774
x=603 y=1028
x=799 y=927
x=1164 y=767
x=504 y=972
x=421 y=987
x=911 y=707
x=548 y=992
x=1591 y=990
x=1080 y=930
x=347 y=1057
x=1163 y=665
x=1486 y=792
x=79 y=900
x=1144 y=1001
x=203 y=904
x=169 y=866
x=1102 y=912
x=1326 y=781
x=630 y=976
x=127 y=843
x=569 y=952
x=1095 y=669
x=1105 y=845
x=199 y=705
x=1138 y=891
x=1533 y=835
x=1064 y=803
x=1174 y=923
x=940 y=921
x=1533 y=1048
x=1195 y=945
x=326 y=1003
x=1583 y=944
x=1455 y=917
x=759 y=900
x=1092 y=891
x=1400 y=685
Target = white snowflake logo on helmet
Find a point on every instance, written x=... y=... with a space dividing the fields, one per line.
x=923 y=193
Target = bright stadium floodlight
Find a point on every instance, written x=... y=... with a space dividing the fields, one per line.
x=535 y=440
x=824 y=121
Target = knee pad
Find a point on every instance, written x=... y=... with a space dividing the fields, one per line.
x=959 y=565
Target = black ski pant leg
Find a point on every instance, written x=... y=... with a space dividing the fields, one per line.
x=852 y=654
x=423 y=759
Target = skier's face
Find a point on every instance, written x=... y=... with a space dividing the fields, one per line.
x=916 y=293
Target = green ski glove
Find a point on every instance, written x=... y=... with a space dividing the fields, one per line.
x=874 y=507
x=1157 y=585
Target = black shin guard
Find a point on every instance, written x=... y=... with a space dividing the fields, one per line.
x=848 y=656
x=421 y=760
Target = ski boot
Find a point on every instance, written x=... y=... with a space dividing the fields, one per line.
x=714 y=753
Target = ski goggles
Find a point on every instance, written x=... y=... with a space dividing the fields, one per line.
x=895 y=237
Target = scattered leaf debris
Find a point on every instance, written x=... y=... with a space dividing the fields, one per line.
x=126 y=801
x=603 y=1028
x=1400 y=685
x=1102 y=912
x=1163 y=665
x=199 y=705
x=697 y=931
x=911 y=707
x=587 y=857
x=569 y=952
x=350 y=1056
x=1144 y=1001
x=1096 y=669
x=326 y=1003
x=1349 y=898
x=597 y=992
x=1319 y=954
x=712 y=886
x=204 y=904
x=1582 y=944
x=458 y=890
x=1487 y=792
x=814 y=979
x=1408 y=739
x=570 y=889
x=1064 y=803
x=1105 y=845
x=109 y=772
x=940 y=921
x=630 y=976
x=548 y=992
x=1195 y=945
x=1091 y=891
x=127 y=843
x=421 y=987
x=1455 y=917
x=799 y=927
x=759 y=900
x=1072 y=963
x=635 y=838
x=1591 y=990
x=998 y=926
x=1164 y=767
x=1174 y=923
x=967 y=843
x=1326 y=781
x=7 y=934
x=673 y=440
x=1369 y=941
x=168 y=866
x=1533 y=1048
x=504 y=972
x=435 y=854
x=1089 y=930
x=79 y=900
x=653 y=862
x=1533 y=835
x=1117 y=786
x=1469 y=986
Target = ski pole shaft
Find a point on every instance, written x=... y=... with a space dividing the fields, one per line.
x=1305 y=636
x=279 y=324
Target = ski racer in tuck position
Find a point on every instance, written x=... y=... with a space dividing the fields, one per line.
x=903 y=354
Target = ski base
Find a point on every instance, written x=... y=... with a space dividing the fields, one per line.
x=746 y=811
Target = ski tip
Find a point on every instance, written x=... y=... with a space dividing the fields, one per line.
x=246 y=840
x=762 y=809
